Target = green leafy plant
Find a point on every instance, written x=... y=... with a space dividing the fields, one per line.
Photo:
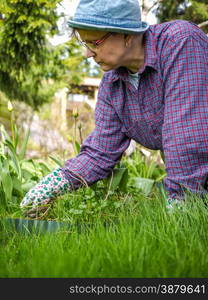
x=17 y=174
x=144 y=172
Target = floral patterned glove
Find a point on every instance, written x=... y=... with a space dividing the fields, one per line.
x=50 y=187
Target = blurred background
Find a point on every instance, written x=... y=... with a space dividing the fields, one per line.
x=47 y=86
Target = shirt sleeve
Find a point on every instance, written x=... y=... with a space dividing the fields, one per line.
x=102 y=149
x=185 y=128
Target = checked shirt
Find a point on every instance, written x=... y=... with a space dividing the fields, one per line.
x=168 y=111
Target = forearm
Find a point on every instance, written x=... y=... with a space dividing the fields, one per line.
x=95 y=161
x=180 y=180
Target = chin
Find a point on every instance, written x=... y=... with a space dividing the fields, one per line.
x=106 y=68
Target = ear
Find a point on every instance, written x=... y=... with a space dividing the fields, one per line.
x=128 y=38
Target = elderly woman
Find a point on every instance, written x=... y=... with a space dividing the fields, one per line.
x=154 y=91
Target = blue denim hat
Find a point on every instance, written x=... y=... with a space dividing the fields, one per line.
x=109 y=15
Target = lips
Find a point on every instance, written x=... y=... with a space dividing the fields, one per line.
x=100 y=63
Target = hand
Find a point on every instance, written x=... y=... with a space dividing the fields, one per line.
x=36 y=212
x=37 y=200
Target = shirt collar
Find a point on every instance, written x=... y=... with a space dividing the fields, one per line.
x=149 y=50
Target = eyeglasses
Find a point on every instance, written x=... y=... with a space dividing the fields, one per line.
x=92 y=45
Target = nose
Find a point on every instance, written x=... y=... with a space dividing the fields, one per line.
x=89 y=53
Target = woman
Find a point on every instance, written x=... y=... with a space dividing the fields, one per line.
x=154 y=90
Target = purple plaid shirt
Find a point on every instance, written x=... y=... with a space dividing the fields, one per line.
x=168 y=111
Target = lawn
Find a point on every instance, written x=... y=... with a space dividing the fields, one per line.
x=133 y=236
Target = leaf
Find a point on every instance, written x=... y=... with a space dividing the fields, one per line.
x=24 y=145
x=114 y=180
x=57 y=161
x=5 y=165
x=77 y=147
x=14 y=158
x=17 y=186
x=4 y=134
x=124 y=181
x=7 y=184
x=28 y=185
x=44 y=168
x=16 y=136
x=143 y=184
x=27 y=174
x=29 y=166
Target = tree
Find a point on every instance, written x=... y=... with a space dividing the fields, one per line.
x=31 y=69
x=194 y=11
x=24 y=54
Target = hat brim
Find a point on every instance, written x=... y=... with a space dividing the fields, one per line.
x=139 y=29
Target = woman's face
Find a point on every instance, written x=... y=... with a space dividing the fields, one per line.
x=109 y=54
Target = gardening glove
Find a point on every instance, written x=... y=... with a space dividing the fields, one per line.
x=49 y=188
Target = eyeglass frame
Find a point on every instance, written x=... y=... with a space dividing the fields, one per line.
x=95 y=43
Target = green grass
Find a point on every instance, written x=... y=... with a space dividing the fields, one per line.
x=138 y=239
